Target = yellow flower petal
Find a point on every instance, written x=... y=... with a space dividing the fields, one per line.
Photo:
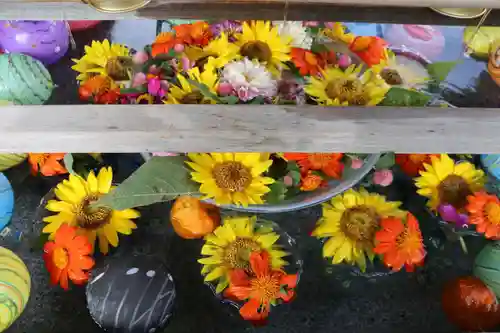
x=104 y=179
x=92 y=185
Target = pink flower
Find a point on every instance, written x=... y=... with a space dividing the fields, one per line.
x=225 y=89
x=139 y=80
x=356 y=163
x=383 y=177
x=245 y=93
x=178 y=48
x=344 y=61
x=157 y=87
x=186 y=64
x=140 y=58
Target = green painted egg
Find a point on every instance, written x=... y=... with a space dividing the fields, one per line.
x=24 y=80
x=15 y=285
x=8 y=161
x=487 y=266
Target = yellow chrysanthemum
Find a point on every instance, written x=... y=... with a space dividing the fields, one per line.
x=188 y=93
x=216 y=54
x=336 y=32
x=105 y=59
x=397 y=72
x=73 y=207
x=260 y=41
x=336 y=87
x=350 y=222
x=230 y=245
x=446 y=182
x=231 y=178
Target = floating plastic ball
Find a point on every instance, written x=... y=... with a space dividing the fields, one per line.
x=47 y=41
x=24 y=80
x=15 y=286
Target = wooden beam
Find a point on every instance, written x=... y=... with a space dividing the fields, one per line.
x=183 y=128
x=313 y=10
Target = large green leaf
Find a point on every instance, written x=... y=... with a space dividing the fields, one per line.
x=439 y=70
x=403 y=97
x=159 y=179
x=68 y=163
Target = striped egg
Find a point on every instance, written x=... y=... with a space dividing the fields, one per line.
x=24 y=80
x=8 y=160
x=15 y=285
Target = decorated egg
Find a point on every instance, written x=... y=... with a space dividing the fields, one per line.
x=82 y=25
x=479 y=41
x=8 y=161
x=24 y=80
x=487 y=266
x=130 y=294
x=492 y=164
x=470 y=305
x=494 y=62
x=424 y=39
x=6 y=201
x=15 y=286
x=47 y=41
x=192 y=218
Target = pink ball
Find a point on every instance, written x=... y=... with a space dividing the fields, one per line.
x=82 y=25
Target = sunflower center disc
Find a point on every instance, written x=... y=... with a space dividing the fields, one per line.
x=237 y=253
x=232 y=176
x=117 y=68
x=88 y=218
x=454 y=190
x=194 y=97
x=265 y=287
x=350 y=91
x=360 y=223
x=391 y=76
x=492 y=210
x=256 y=50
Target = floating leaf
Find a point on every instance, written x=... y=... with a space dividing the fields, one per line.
x=159 y=179
x=68 y=163
x=404 y=97
x=278 y=192
x=439 y=70
x=386 y=161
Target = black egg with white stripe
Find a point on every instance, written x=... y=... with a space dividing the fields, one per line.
x=131 y=294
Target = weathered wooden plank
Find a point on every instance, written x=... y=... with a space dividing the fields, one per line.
x=82 y=128
x=313 y=10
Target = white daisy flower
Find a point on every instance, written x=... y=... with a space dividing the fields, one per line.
x=296 y=31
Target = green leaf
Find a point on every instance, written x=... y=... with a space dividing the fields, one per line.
x=68 y=163
x=229 y=100
x=403 y=97
x=386 y=161
x=439 y=70
x=257 y=100
x=319 y=48
x=159 y=179
x=278 y=192
x=137 y=90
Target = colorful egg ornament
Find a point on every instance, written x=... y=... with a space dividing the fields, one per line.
x=6 y=201
x=494 y=62
x=424 y=39
x=131 y=294
x=47 y=41
x=487 y=266
x=8 y=161
x=24 y=80
x=15 y=286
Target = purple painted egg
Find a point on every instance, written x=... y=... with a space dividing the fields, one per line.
x=47 y=41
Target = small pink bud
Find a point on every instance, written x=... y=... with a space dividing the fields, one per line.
x=225 y=89
x=288 y=181
x=356 y=163
x=178 y=48
x=139 y=80
x=186 y=64
x=140 y=58
x=383 y=177
x=344 y=61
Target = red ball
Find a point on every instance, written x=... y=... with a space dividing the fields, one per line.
x=471 y=305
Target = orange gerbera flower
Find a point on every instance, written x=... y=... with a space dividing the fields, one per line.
x=372 y=50
x=163 y=43
x=47 y=164
x=310 y=181
x=329 y=163
x=262 y=289
x=197 y=33
x=400 y=243
x=484 y=212
x=68 y=256
x=310 y=63
x=412 y=164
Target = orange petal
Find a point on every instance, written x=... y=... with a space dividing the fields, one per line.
x=260 y=263
x=237 y=292
x=64 y=280
x=289 y=280
x=250 y=311
x=239 y=277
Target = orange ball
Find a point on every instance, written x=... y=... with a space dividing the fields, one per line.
x=471 y=305
x=192 y=218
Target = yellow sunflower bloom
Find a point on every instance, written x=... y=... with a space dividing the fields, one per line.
x=401 y=71
x=103 y=58
x=336 y=32
x=260 y=41
x=336 y=87
x=446 y=182
x=231 y=178
x=350 y=222
x=73 y=207
x=216 y=54
x=188 y=93
x=230 y=245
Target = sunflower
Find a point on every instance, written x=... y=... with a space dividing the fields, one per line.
x=336 y=87
x=350 y=222
x=217 y=53
x=400 y=242
x=484 y=212
x=396 y=73
x=260 y=41
x=73 y=207
x=229 y=248
x=231 y=177
x=188 y=92
x=447 y=182
x=103 y=58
